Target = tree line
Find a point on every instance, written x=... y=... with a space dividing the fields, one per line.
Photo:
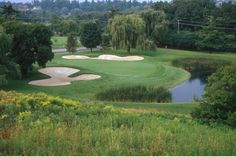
x=199 y=24
x=182 y=24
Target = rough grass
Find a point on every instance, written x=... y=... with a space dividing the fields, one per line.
x=135 y=94
x=55 y=126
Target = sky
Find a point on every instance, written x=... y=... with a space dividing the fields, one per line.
x=17 y=1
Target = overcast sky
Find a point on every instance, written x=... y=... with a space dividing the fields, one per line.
x=16 y=1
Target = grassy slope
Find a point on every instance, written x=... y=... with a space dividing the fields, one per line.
x=55 y=126
x=155 y=70
x=120 y=134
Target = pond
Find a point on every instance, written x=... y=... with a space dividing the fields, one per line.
x=188 y=91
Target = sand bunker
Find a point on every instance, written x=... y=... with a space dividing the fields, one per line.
x=106 y=57
x=60 y=76
x=75 y=57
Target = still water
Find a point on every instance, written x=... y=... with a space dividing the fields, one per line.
x=188 y=91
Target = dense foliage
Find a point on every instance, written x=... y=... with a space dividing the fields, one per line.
x=61 y=26
x=182 y=40
x=219 y=103
x=66 y=6
x=90 y=36
x=183 y=24
x=213 y=40
x=200 y=67
x=8 y=69
x=31 y=43
x=155 y=24
x=199 y=24
x=136 y=94
x=126 y=31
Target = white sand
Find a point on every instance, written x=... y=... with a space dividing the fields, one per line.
x=60 y=76
x=106 y=57
x=75 y=57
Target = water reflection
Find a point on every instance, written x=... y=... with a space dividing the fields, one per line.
x=188 y=91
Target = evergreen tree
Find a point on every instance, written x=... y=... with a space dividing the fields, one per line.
x=90 y=36
x=71 y=43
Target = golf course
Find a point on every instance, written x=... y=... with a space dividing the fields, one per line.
x=117 y=78
x=155 y=70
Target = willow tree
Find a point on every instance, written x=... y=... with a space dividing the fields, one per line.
x=155 y=24
x=126 y=31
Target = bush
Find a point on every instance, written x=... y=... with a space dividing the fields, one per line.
x=148 y=45
x=13 y=104
x=136 y=94
x=219 y=102
x=200 y=67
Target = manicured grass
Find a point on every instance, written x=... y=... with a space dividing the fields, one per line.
x=60 y=42
x=155 y=70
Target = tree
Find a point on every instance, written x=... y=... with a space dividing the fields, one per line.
x=126 y=31
x=71 y=43
x=8 y=12
x=155 y=24
x=43 y=50
x=8 y=69
x=90 y=36
x=31 y=44
x=193 y=10
x=211 y=39
x=183 y=40
x=4 y=49
x=219 y=102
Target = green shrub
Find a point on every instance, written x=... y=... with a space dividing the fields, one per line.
x=200 y=67
x=219 y=102
x=148 y=45
x=136 y=94
x=13 y=105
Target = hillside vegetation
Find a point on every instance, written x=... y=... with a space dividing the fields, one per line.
x=37 y=124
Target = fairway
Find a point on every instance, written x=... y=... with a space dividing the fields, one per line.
x=155 y=70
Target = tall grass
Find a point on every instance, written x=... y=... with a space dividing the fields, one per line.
x=65 y=127
x=136 y=94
